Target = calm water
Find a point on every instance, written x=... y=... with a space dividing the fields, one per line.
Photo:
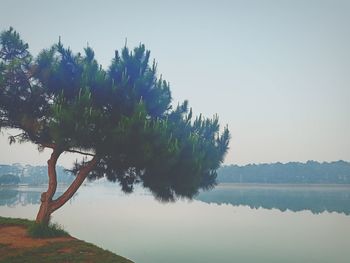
x=232 y=223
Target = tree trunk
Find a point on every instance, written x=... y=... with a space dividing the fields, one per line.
x=46 y=197
x=48 y=206
x=79 y=179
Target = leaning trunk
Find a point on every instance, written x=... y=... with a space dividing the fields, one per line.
x=48 y=206
x=43 y=216
x=46 y=197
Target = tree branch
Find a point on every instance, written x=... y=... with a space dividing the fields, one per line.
x=17 y=135
x=48 y=145
x=84 y=153
x=52 y=146
x=79 y=179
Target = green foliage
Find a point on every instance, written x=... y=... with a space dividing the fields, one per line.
x=122 y=115
x=41 y=230
x=9 y=179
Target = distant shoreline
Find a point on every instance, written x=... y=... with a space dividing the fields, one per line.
x=278 y=185
x=219 y=185
x=309 y=173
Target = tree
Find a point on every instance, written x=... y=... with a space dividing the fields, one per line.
x=121 y=118
x=9 y=179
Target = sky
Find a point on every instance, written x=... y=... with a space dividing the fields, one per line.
x=277 y=72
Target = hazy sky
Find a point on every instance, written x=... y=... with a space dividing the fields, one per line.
x=277 y=72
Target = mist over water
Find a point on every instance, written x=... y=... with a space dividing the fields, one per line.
x=232 y=223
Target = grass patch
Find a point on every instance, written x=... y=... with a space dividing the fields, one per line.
x=34 y=229
x=54 y=250
x=3 y=246
x=5 y=221
x=70 y=251
x=38 y=230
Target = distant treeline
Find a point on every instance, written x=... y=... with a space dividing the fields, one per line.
x=310 y=172
x=27 y=174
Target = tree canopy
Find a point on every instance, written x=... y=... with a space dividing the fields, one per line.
x=122 y=117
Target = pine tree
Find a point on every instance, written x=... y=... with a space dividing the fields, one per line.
x=121 y=118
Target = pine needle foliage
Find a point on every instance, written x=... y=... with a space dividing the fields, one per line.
x=122 y=115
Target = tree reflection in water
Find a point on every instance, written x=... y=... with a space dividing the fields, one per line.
x=14 y=196
x=316 y=199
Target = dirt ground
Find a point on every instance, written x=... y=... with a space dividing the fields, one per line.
x=16 y=237
x=17 y=247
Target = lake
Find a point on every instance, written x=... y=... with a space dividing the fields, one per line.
x=232 y=223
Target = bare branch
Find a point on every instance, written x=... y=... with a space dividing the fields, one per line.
x=76 y=151
x=52 y=146
x=17 y=135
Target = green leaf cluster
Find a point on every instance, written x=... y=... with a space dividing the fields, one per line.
x=122 y=115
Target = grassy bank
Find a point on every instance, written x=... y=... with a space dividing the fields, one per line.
x=16 y=245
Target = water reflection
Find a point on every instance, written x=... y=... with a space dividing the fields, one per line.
x=147 y=231
x=25 y=195
x=316 y=199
